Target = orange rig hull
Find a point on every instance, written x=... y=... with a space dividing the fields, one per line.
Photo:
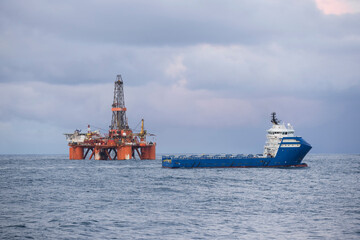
x=100 y=151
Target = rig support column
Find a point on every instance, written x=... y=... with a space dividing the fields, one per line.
x=76 y=153
x=97 y=155
x=124 y=152
x=148 y=152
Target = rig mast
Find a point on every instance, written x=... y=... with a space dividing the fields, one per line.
x=119 y=120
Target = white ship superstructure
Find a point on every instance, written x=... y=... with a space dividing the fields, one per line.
x=275 y=135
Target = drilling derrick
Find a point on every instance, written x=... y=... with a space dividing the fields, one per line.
x=118 y=121
x=120 y=143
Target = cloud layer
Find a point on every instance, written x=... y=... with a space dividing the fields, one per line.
x=201 y=67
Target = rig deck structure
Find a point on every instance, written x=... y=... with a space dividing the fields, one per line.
x=121 y=143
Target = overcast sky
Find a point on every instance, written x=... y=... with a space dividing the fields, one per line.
x=205 y=75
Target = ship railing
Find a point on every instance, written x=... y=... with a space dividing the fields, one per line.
x=207 y=156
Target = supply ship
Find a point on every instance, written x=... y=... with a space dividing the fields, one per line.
x=282 y=149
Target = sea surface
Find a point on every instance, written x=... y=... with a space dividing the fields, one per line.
x=51 y=197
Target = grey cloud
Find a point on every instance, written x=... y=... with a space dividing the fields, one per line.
x=175 y=22
x=88 y=41
x=59 y=61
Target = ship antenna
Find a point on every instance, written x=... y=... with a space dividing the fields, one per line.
x=274 y=120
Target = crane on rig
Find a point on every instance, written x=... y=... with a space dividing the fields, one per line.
x=121 y=143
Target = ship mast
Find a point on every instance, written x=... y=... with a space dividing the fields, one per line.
x=274 y=120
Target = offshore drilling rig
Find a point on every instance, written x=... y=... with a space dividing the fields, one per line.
x=120 y=143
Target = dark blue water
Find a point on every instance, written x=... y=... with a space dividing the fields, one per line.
x=50 y=197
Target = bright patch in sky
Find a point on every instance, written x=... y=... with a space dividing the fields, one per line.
x=339 y=7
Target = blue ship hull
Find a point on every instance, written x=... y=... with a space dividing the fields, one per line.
x=290 y=154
